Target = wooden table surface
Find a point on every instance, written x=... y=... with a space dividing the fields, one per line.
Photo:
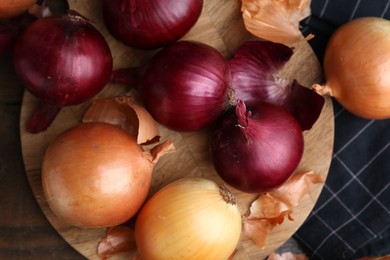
x=25 y=232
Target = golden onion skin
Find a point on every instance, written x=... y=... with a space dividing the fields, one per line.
x=11 y=8
x=188 y=219
x=357 y=67
x=95 y=175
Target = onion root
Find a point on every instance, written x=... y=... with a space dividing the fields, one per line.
x=322 y=90
x=42 y=117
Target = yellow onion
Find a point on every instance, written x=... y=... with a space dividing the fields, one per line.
x=357 y=67
x=96 y=175
x=11 y=8
x=190 y=218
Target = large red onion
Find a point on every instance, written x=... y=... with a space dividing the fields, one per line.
x=256 y=68
x=62 y=60
x=147 y=24
x=186 y=86
x=257 y=149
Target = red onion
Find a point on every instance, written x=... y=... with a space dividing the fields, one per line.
x=147 y=24
x=10 y=29
x=256 y=68
x=257 y=149
x=186 y=86
x=62 y=60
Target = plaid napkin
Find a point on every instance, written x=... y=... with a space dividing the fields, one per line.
x=352 y=216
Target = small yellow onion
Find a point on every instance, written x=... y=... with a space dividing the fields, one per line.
x=357 y=67
x=190 y=218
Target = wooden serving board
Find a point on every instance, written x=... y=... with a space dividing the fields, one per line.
x=220 y=26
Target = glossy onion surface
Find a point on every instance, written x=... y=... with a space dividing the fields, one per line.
x=257 y=149
x=95 y=175
x=147 y=24
x=186 y=86
x=63 y=60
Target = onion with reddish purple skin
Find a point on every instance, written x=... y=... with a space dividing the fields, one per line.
x=186 y=87
x=62 y=60
x=258 y=149
x=256 y=68
x=189 y=84
x=146 y=24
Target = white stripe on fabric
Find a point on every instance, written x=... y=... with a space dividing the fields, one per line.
x=324 y=8
x=339 y=112
x=334 y=232
x=354 y=10
x=385 y=10
x=306 y=28
x=357 y=174
x=354 y=177
x=354 y=217
x=353 y=138
x=375 y=198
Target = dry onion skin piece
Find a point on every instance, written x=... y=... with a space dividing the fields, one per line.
x=118 y=239
x=276 y=20
x=271 y=208
x=123 y=112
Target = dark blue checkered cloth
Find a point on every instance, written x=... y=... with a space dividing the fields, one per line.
x=352 y=216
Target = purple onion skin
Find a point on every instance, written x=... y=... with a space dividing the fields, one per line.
x=256 y=68
x=186 y=86
x=258 y=149
x=63 y=60
x=305 y=104
x=146 y=24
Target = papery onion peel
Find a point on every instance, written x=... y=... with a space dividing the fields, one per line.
x=125 y=113
x=118 y=239
x=271 y=208
x=276 y=20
